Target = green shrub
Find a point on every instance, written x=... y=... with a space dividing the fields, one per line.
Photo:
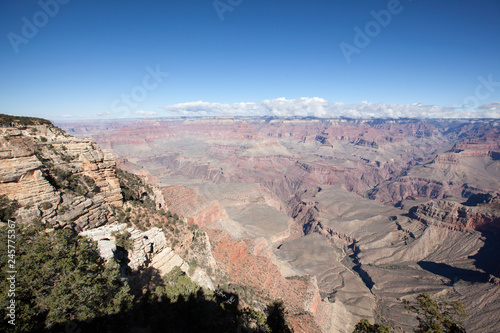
x=70 y=182
x=7 y=208
x=62 y=209
x=131 y=185
x=66 y=158
x=177 y=284
x=25 y=121
x=276 y=317
x=364 y=326
x=250 y=318
x=192 y=266
x=46 y=205
x=437 y=314
x=123 y=239
x=61 y=278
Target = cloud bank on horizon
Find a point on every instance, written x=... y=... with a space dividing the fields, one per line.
x=322 y=108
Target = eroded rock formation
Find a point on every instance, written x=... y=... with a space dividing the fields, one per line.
x=56 y=178
x=147 y=249
x=456 y=216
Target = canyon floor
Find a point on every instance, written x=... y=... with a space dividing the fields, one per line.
x=354 y=214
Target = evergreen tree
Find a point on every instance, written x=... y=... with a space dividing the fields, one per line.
x=276 y=317
x=364 y=326
x=60 y=277
x=7 y=208
x=437 y=315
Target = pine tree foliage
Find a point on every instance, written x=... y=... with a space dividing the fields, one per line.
x=7 y=208
x=60 y=277
x=364 y=326
x=437 y=314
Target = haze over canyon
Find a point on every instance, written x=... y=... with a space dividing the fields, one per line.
x=340 y=218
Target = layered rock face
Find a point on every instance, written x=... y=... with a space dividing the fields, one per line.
x=66 y=182
x=300 y=294
x=245 y=260
x=456 y=216
x=39 y=163
x=149 y=252
x=21 y=175
x=389 y=160
x=198 y=210
x=147 y=249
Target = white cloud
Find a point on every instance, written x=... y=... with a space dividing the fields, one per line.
x=146 y=113
x=303 y=107
x=495 y=106
x=201 y=108
x=319 y=107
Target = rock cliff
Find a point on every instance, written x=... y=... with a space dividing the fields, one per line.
x=456 y=216
x=300 y=293
x=388 y=160
x=146 y=249
x=244 y=260
x=56 y=178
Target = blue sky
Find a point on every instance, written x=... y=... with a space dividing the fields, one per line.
x=86 y=58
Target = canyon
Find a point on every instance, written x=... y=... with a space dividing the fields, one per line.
x=339 y=218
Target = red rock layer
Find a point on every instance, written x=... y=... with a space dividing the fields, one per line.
x=452 y=215
x=300 y=295
x=197 y=210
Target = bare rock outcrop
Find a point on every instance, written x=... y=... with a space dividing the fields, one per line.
x=455 y=216
x=147 y=249
x=56 y=178
x=21 y=178
x=195 y=208
x=300 y=293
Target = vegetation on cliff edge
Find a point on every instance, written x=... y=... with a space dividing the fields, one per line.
x=61 y=281
x=8 y=120
x=59 y=277
x=7 y=208
x=434 y=315
x=437 y=314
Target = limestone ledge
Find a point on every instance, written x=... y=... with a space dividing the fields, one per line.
x=149 y=248
x=25 y=154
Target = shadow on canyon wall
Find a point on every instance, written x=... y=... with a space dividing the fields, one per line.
x=188 y=314
x=193 y=312
x=452 y=273
x=488 y=257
